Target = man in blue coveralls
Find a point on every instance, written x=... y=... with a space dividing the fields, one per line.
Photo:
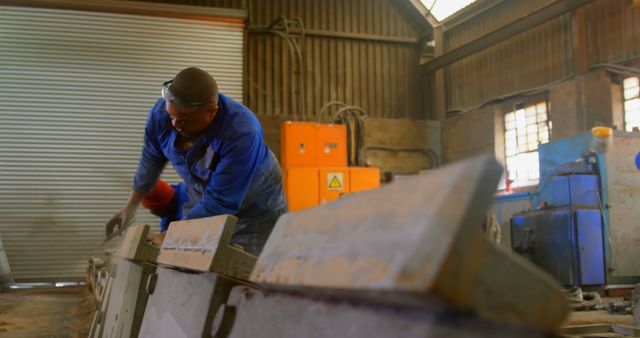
x=216 y=145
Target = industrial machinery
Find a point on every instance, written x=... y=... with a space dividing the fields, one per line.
x=585 y=230
x=314 y=161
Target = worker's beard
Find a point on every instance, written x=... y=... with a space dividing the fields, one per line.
x=183 y=133
x=186 y=136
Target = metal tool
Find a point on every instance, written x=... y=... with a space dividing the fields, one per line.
x=117 y=232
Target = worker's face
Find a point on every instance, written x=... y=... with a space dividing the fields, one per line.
x=191 y=123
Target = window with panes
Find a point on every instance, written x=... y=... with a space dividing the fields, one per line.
x=631 y=86
x=526 y=127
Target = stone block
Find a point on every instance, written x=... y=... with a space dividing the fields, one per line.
x=203 y=245
x=127 y=299
x=409 y=239
x=252 y=313
x=183 y=304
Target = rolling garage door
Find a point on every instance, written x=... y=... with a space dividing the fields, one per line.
x=75 y=90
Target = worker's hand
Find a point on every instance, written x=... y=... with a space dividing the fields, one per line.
x=121 y=219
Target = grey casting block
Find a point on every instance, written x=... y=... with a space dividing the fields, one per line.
x=282 y=315
x=409 y=239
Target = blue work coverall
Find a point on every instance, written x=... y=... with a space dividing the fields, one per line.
x=228 y=170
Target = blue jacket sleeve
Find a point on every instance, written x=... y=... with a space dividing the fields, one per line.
x=152 y=160
x=232 y=177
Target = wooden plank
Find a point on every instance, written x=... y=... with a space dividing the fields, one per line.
x=203 y=245
x=135 y=245
x=411 y=239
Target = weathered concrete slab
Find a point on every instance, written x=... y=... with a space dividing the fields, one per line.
x=203 y=245
x=252 y=313
x=183 y=304
x=635 y=301
x=97 y=326
x=128 y=299
x=413 y=237
x=135 y=246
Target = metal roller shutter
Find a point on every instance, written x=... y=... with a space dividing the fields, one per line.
x=75 y=90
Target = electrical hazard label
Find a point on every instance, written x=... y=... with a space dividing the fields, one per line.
x=335 y=181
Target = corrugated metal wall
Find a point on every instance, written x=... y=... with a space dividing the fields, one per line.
x=495 y=17
x=371 y=72
x=208 y=3
x=537 y=57
x=614 y=31
x=529 y=60
x=376 y=75
x=75 y=89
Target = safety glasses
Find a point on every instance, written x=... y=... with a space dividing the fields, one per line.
x=184 y=106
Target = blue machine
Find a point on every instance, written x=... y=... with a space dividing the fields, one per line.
x=566 y=242
x=586 y=228
x=574 y=190
x=565 y=237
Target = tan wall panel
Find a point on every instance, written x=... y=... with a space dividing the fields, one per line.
x=538 y=57
x=531 y=59
x=495 y=17
x=614 y=31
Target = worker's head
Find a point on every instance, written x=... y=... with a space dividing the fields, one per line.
x=192 y=101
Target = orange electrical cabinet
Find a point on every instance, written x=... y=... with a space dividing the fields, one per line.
x=301 y=187
x=363 y=178
x=298 y=144
x=334 y=182
x=331 y=145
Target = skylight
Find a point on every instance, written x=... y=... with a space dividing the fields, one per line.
x=442 y=9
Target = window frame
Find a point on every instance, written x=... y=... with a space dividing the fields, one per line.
x=519 y=117
x=625 y=100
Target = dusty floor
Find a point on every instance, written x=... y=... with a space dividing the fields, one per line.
x=68 y=312
x=598 y=317
x=56 y=312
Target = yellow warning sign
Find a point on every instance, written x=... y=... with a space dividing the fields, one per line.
x=335 y=181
